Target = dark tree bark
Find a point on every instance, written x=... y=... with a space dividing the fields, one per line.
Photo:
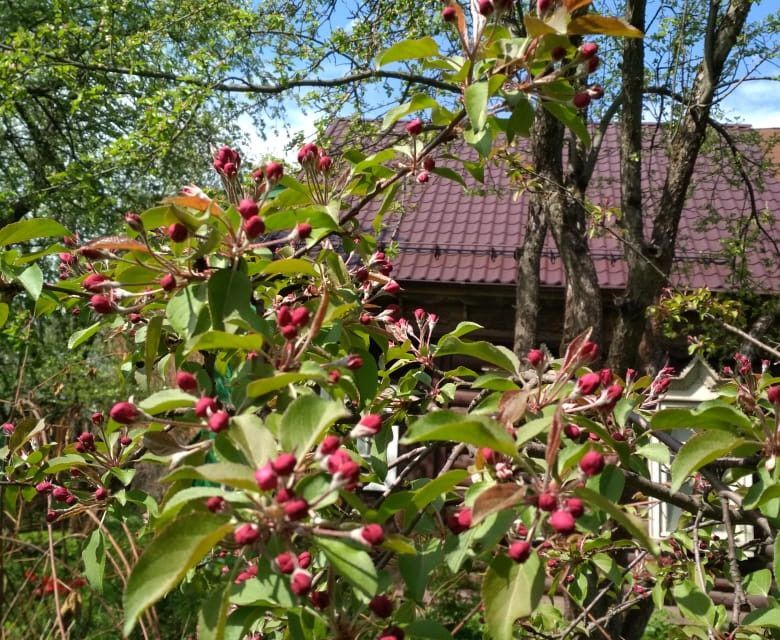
x=527 y=283
x=650 y=261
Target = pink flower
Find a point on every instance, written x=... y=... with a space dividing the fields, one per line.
x=368 y=426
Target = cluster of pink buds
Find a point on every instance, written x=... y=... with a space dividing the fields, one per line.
x=253 y=224
x=227 y=162
x=310 y=156
x=291 y=321
x=85 y=442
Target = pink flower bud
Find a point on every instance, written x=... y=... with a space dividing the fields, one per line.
x=572 y=431
x=581 y=100
x=266 y=477
x=304 y=559
x=562 y=522
x=124 y=413
x=460 y=521
x=535 y=357
x=381 y=606
x=246 y=534
x=8 y=428
x=71 y=500
x=284 y=495
x=215 y=503
x=227 y=161
x=368 y=426
x=324 y=164
x=448 y=14
x=101 y=493
x=133 y=220
x=587 y=384
x=589 y=351
x=283 y=316
x=486 y=7
x=308 y=153
x=415 y=127
x=596 y=92
x=300 y=317
x=247 y=208
x=219 y=421
x=558 y=53
x=429 y=164
x=296 y=509
x=488 y=455
x=186 y=381
x=205 y=406
x=423 y=177
x=588 y=50
x=300 y=584
x=320 y=599
x=773 y=394
x=284 y=464
x=125 y=441
x=354 y=361
x=329 y=445
x=67 y=258
x=370 y=534
x=51 y=516
x=177 y=232
x=605 y=377
x=392 y=633
x=273 y=171
x=519 y=551
x=392 y=287
x=289 y=331
x=303 y=230
x=575 y=506
x=593 y=64
x=168 y=282
x=97 y=418
x=253 y=226
x=60 y=494
x=592 y=463
x=547 y=502
x=94 y=282
x=101 y=304
x=44 y=487
x=285 y=562
x=542 y=6
x=334 y=375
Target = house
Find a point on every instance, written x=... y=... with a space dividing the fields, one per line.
x=457 y=247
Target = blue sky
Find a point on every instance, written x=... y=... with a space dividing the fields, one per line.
x=756 y=103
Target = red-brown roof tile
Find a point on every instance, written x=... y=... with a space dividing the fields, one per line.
x=448 y=234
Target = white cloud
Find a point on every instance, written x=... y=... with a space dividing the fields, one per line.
x=278 y=135
x=755 y=103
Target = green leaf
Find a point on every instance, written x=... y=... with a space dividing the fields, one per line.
x=769 y=617
x=776 y=563
x=29 y=229
x=3 y=314
x=229 y=473
x=532 y=429
x=721 y=417
x=448 y=426
x=418 y=102
x=80 y=337
x=699 y=450
x=428 y=629
x=352 y=562
x=269 y=589
x=255 y=440
x=25 y=430
x=168 y=558
x=449 y=174
x=166 y=400
x=758 y=583
x=182 y=498
x=32 y=280
x=437 y=487
x=263 y=386
x=152 y=344
x=94 y=557
x=184 y=310
x=229 y=291
x=221 y=340
x=569 y=116
x=496 y=355
x=306 y=420
x=417 y=570
x=61 y=463
x=290 y=266
x=425 y=47
x=693 y=603
x=511 y=591
x=630 y=523
x=475 y=99
x=212 y=616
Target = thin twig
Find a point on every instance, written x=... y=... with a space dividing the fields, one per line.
x=736 y=576
x=57 y=609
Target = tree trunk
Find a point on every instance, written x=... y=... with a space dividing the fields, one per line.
x=527 y=283
x=566 y=218
x=645 y=280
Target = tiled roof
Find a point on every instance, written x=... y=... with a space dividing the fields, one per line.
x=448 y=234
